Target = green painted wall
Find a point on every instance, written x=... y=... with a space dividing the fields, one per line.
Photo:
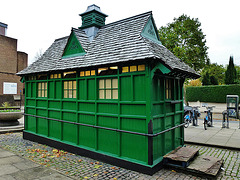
x=141 y=99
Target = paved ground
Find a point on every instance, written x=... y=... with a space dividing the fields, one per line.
x=22 y=159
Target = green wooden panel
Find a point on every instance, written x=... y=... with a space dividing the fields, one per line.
x=108 y=108
x=42 y=126
x=87 y=136
x=135 y=125
x=30 y=102
x=55 y=129
x=133 y=109
x=34 y=90
x=110 y=122
x=82 y=89
x=134 y=147
x=28 y=89
x=157 y=89
x=139 y=86
x=178 y=136
x=54 y=104
x=91 y=89
x=157 y=109
x=158 y=147
x=86 y=119
x=30 y=123
x=168 y=141
x=125 y=88
x=69 y=105
x=42 y=103
x=158 y=125
x=54 y=114
x=108 y=141
x=168 y=122
x=30 y=111
x=69 y=116
x=169 y=107
x=58 y=89
x=42 y=112
x=70 y=132
x=51 y=89
x=88 y=107
x=179 y=107
x=178 y=119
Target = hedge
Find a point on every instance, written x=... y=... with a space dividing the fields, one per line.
x=211 y=93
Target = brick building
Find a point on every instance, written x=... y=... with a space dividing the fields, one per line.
x=11 y=62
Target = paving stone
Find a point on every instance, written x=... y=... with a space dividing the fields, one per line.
x=8 y=169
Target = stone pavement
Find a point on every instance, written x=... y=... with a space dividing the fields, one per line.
x=214 y=136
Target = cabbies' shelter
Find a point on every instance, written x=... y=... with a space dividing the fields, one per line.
x=112 y=92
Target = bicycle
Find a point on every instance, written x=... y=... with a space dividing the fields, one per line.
x=191 y=115
x=208 y=119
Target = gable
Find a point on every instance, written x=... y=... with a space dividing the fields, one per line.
x=73 y=47
x=150 y=31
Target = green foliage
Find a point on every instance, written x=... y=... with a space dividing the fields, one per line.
x=231 y=73
x=215 y=70
x=213 y=80
x=10 y=110
x=185 y=39
x=6 y=104
x=211 y=93
x=206 y=79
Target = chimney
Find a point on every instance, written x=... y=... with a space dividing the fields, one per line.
x=92 y=20
x=3 y=29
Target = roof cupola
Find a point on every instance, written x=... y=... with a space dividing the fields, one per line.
x=92 y=19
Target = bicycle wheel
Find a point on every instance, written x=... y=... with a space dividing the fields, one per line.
x=205 y=124
x=209 y=124
x=186 y=120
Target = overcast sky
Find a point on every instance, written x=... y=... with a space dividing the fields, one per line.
x=36 y=24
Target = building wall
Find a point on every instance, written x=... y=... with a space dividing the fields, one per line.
x=11 y=62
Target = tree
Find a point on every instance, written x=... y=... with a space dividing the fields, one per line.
x=213 y=80
x=218 y=71
x=38 y=54
x=231 y=73
x=185 y=39
x=206 y=79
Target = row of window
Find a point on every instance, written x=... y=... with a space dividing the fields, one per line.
x=101 y=72
x=108 y=89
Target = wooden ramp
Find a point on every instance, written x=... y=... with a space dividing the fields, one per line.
x=188 y=160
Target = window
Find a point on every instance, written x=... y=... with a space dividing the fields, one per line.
x=87 y=73
x=70 y=89
x=71 y=74
x=55 y=76
x=108 y=89
x=30 y=78
x=168 y=88
x=42 y=89
x=133 y=68
x=42 y=77
x=107 y=71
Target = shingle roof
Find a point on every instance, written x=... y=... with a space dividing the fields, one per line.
x=117 y=42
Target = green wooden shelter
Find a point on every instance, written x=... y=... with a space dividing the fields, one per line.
x=111 y=92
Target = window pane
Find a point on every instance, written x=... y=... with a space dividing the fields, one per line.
x=51 y=76
x=70 y=94
x=114 y=83
x=115 y=94
x=125 y=69
x=133 y=68
x=65 y=85
x=39 y=86
x=74 y=94
x=55 y=76
x=59 y=75
x=87 y=73
x=39 y=94
x=65 y=93
x=92 y=72
x=101 y=83
x=69 y=84
x=82 y=73
x=141 y=67
x=74 y=85
x=42 y=94
x=45 y=93
x=108 y=94
x=108 y=83
x=102 y=69
x=101 y=94
x=45 y=85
